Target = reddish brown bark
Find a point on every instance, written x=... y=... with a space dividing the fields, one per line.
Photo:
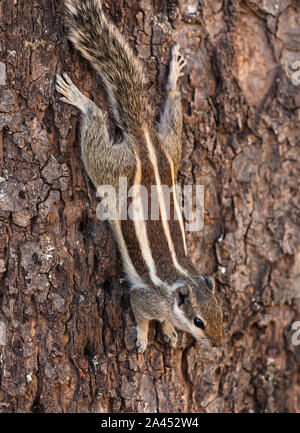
x=67 y=335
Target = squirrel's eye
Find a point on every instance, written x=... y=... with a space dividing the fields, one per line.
x=199 y=323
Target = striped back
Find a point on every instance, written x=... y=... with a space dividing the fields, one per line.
x=153 y=250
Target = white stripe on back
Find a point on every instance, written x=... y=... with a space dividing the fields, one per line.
x=162 y=205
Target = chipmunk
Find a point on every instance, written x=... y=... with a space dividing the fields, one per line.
x=164 y=283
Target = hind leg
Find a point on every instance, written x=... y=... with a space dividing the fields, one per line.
x=176 y=66
x=170 y=124
x=72 y=95
x=101 y=156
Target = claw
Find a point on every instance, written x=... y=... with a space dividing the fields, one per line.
x=141 y=346
x=67 y=78
x=71 y=94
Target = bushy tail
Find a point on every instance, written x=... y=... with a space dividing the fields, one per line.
x=101 y=43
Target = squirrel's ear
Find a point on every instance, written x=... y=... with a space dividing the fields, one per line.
x=184 y=290
x=210 y=283
x=182 y=294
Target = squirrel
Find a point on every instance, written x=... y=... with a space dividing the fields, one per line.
x=164 y=284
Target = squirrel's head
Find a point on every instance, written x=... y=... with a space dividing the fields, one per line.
x=196 y=310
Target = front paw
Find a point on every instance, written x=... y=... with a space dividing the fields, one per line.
x=170 y=335
x=141 y=344
x=142 y=334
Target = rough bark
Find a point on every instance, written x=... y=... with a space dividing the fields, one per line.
x=67 y=333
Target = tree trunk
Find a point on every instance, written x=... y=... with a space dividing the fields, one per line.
x=67 y=332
